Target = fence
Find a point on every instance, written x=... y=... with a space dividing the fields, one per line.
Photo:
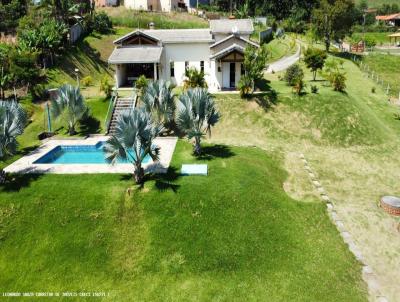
x=372 y=74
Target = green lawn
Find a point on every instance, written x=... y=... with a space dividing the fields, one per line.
x=387 y=67
x=279 y=48
x=225 y=237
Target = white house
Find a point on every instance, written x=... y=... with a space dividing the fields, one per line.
x=156 y=5
x=166 y=54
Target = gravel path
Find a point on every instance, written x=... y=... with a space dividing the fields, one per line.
x=285 y=62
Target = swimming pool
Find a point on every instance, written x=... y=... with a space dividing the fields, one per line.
x=78 y=154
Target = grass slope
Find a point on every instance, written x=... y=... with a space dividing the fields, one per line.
x=122 y=16
x=387 y=67
x=225 y=237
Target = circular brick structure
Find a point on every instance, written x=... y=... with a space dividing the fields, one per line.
x=391 y=205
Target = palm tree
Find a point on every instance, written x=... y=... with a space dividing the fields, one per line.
x=12 y=123
x=71 y=104
x=133 y=140
x=159 y=100
x=196 y=115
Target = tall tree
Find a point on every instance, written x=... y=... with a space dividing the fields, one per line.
x=333 y=19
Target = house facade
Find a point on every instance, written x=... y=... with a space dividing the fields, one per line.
x=156 y=5
x=166 y=54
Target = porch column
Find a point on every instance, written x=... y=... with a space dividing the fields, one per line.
x=155 y=72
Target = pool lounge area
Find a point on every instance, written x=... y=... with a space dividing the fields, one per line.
x=85 y=156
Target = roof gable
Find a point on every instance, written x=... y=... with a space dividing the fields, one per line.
x=233 y=38
x=137 y=37
x=228 y=26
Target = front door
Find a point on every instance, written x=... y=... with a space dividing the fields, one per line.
x=232 y=75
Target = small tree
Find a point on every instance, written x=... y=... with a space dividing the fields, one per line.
x=315 y=60
x=255 y=60
x=196 y=115
x=106 y=86
x=293 y=74
x=194 y=78
x=133 y=140
x=12 y=123
x=159 y=100
x=71 y=104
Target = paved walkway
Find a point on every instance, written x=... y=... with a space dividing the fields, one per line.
x=285 y=62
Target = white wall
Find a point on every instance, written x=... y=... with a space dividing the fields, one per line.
x=136 y=4
x=120 y=75
x=192 y=53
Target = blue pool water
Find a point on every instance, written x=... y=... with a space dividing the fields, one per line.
x=91 y=154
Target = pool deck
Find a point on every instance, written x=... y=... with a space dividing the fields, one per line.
x=26 y=164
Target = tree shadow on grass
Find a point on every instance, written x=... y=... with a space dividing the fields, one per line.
x=15 y=182
x=89 y=125
x=215 y=151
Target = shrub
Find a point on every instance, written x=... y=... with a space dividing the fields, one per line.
x=245 y=86
x=39 y=92
x=373 y=89
x=293 y=74
x=194 y=78
x=106 y=86
x=338 y=81
x=314 y=89
x=299 y=86
x=87 y=81
x=141 y=83
x=102 y=23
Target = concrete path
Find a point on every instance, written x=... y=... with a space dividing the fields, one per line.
x=285 y=62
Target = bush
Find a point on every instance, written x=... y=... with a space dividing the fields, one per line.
x=102 y=23
x=39 y=92
x=87 y=81
x=338 y=81
x=373 y=89
x=314 y=89
x=194 y=78
x=299 y=86
x=106 y=86
x=293 y=74
x=141 y=83
x=245 y=86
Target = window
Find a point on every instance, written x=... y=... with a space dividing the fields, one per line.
x=172 y=69
x=242 y=71
x=186 y=65
x=202 y=66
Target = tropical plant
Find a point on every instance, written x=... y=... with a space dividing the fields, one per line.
x=194 y=78
x=102 y=23
x=87 y=81
x=245 y=86
x=315 y=60
x=106 y=86
x=133 y=140
x=196 y=115
x=141 y=83
x=12 y=123
x=71 y=104
x=293 y=74
x=159 y=100
x=255 y=60
x=314 y=89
